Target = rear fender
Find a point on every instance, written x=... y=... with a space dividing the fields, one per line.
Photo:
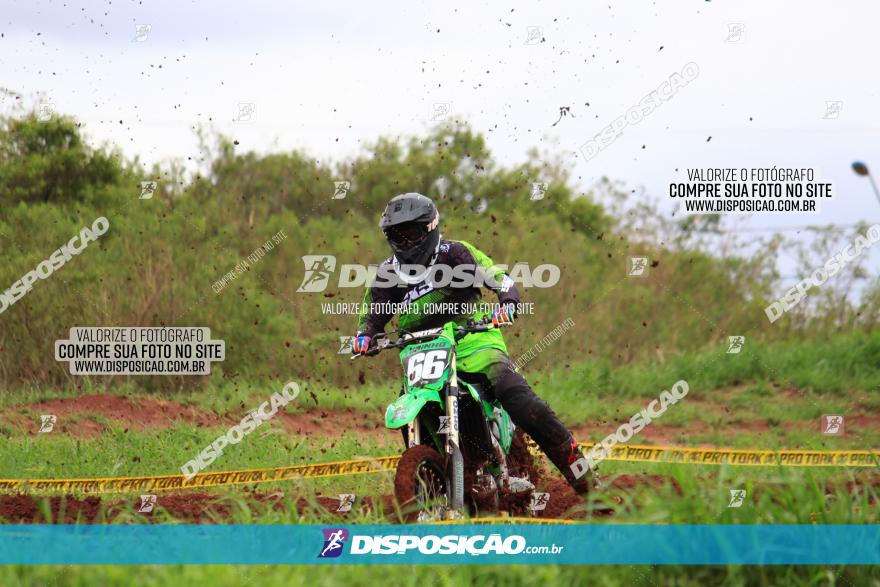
x=497 y=414
x=505 y=427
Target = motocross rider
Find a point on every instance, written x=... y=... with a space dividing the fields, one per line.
x=411 y=224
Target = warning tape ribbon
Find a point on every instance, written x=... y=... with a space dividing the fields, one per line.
x=732 y=456
x=623 y=452
x=170 y=482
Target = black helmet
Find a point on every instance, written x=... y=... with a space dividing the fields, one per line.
x=411 y=224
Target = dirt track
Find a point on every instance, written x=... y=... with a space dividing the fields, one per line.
x=147 y=413
x=200 y=507
x=142 y=413
x=207 y=508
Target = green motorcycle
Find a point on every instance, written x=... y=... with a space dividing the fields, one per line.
x=462 y=449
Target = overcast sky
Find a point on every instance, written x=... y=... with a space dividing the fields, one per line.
x=331 y=76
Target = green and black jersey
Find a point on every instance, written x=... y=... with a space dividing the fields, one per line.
x=437 y=299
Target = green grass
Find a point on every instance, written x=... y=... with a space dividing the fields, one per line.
x=836 y=366
x=775 y=495
x=783 y=495
x=727 y=394
x=439 y=576
x=273 y=335
x=161 y=452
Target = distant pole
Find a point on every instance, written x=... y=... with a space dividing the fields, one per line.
x=862 y=169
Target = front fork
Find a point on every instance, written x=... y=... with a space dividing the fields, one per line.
x=413 y=433
x=455 y=460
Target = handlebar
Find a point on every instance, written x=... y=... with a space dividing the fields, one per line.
x=381 y=341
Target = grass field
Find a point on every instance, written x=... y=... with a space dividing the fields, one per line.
x=420 y=576
x=768 y=396
x=163 y=256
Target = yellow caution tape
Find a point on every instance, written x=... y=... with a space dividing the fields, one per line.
x=623 y=452
x=170 y=482
x=731 y=456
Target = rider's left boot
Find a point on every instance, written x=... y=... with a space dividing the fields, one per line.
x=563 y=456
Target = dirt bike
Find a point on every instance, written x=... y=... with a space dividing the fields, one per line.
x=462 y=449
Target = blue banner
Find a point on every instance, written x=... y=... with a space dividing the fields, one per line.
x=577 y=544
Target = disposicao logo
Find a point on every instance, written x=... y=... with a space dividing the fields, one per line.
x=476 y=545
x=334 y=540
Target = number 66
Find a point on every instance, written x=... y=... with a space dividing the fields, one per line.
x=426 y=366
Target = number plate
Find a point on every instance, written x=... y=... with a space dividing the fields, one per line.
x=426 y=366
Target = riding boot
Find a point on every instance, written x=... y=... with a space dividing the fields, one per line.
x=563 y=456
x=537 y=419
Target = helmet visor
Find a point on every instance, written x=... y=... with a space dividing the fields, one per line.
x=407 y=235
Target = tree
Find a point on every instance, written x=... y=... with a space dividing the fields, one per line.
x=48 y=161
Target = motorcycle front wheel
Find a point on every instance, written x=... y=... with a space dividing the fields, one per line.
x=420 y=484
